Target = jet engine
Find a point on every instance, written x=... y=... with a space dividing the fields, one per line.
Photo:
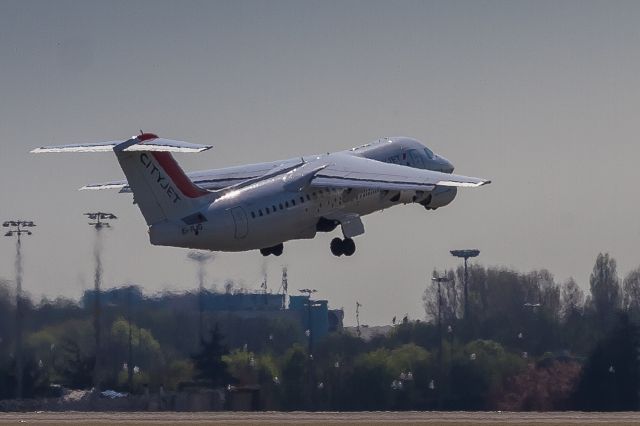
x=439 y=197
x=406 y=197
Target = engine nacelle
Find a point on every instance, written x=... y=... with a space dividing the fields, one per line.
x=405 y=197
x=439 y=197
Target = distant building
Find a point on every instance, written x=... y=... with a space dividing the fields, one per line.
x=319 y=314
x=247 y=305
x=118 y=296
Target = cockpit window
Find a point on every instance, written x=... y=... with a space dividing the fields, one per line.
x=429 y=153
x=416 y=159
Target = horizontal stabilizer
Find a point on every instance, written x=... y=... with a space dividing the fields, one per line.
x=145 y=142
x=121 y=185
x=167 y=145
x=79 y=147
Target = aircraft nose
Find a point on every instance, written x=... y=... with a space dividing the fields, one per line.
x=445 y=165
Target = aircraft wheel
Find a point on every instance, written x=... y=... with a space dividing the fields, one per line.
x=265 y=251
x=348 y=247
x=337 y=247
x=277 y=250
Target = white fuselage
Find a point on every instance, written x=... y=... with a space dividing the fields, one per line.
x=268 y=212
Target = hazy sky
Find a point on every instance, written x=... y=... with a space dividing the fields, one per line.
x=541 y=97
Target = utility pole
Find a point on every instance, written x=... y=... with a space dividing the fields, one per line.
x=263 y=286
x=130 y=358
x=438 y=281
x=358 y=318
x=201 y=258
x=466 y=254
x=309 y=333
x=17 y=229
x=98 y=222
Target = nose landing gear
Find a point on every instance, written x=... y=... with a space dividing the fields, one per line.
x=340 y=247
x=275 y=250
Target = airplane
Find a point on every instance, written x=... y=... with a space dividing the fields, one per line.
x=261 y=206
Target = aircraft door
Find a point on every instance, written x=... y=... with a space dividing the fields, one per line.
x=240 y=221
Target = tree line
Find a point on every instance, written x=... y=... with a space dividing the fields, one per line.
x=526 y=343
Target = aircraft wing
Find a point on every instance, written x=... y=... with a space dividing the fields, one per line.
x=350 y=171
x=214 y=179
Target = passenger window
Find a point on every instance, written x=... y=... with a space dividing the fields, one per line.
x=302 y=199
x=260 y=212
x=266 y=209
x=286 y=203
x=308 y=198
x=281 y=206
x=253 y=215
x=293 y=202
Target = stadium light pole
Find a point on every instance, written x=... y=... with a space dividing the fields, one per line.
x=439 y=281
x=18 y=228
x=466 y=254
x=99 y=221
x=201 y=258
x=309 y=332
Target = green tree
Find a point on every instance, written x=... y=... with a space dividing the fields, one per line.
x=572 y=298
x=76 y=368
x=177 y=372
x=605 y=288
x=610 y=380
x=371 y=381
x=631 y=292
x=478 y=372
x=210 y=367
x=294 y=377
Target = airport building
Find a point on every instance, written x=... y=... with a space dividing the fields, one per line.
x=315 y=315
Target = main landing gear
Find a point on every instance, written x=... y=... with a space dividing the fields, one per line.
x=275 y=250
x=340 y=247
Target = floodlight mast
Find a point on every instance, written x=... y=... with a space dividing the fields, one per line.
x=99 y=222
x=17 y=229
x=200 y=258
x=466 y=254
x=439 y=280
x=309 y=292
x=100 y=218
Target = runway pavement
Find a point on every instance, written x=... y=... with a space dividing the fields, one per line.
x=324 y=418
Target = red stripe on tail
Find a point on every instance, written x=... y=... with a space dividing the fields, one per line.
x=175 y=172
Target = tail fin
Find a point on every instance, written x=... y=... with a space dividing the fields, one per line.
x=160 y=187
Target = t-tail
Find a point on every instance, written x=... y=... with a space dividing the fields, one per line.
x=160 y=187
